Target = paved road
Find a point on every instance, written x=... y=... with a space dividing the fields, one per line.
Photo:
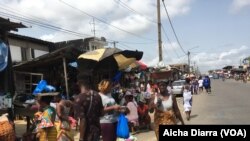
x=228 y=104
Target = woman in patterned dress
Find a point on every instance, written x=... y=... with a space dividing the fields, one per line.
x=45 y=128
x=63 y=120
x=165 y=107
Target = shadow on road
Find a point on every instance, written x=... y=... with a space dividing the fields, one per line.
x=193 y=116
x=211 y=94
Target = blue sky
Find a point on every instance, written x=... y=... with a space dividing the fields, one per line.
x=218 y=31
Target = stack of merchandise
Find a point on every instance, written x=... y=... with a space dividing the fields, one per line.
x=7 y=132
x=5 y=100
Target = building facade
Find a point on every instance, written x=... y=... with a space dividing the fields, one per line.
x=25 y=48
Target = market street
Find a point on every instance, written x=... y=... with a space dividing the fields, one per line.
x=228 y=104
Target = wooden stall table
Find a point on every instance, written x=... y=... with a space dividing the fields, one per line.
x=26 y=112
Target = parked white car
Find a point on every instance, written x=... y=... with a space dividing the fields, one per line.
x=177 y=87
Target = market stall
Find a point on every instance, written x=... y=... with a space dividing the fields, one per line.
x=7 y=132
x=6 y=73
x=55 y=69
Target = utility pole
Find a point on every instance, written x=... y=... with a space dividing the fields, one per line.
x=93 y=26
x=194 y=68
x=159 y=30
x=188 y=62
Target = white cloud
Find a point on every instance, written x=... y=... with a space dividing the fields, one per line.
x=56 y=13
x=218 y=60
x=48 y=37
x=168 y=57
x=207 y=61
x=237 y=5
x=57 y=37
x=133 y=23
x=172 y=46
x=233 y=52
x=178 y=7
x=151 y=62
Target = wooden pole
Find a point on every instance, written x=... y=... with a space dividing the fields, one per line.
x=188 y=63
x=159 y=30
x=66 y=77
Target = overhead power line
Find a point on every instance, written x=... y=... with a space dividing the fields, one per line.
x=40 y=22
x=124 y=5
x=165 y=49
x=171 y=24
x=128 y=47
x=103 y=21
x=165 y=33
x=27 y=19
x=127 y=42
x=48 y=26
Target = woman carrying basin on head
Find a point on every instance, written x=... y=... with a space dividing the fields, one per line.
x=166 y=109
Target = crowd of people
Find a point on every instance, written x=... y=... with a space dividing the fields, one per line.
x=198 y=84
x=98 y=111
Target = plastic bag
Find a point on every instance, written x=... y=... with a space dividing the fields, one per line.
x=40 y=87
x=3 y=56
x=122 y=127
x=49 y=88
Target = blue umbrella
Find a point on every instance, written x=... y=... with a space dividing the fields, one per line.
x=3 y=55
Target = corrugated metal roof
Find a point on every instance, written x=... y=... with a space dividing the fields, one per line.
x=7 y=25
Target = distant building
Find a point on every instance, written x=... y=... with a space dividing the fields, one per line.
x=182 y=67
x=87 y=44
x=25 y=48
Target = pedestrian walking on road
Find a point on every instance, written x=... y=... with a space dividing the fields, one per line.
x=207 y=84
x=187 y=99
x=165 y=107
x=200 y=84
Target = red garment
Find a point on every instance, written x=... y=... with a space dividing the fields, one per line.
x=144 y=118
x=142 y=110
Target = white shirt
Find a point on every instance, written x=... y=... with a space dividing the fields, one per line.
x=107 y=101
x=165 y=104
x=200 y=83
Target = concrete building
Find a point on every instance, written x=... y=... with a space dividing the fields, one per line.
x=182 y=67
x=25 y=48
x=83 y=45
